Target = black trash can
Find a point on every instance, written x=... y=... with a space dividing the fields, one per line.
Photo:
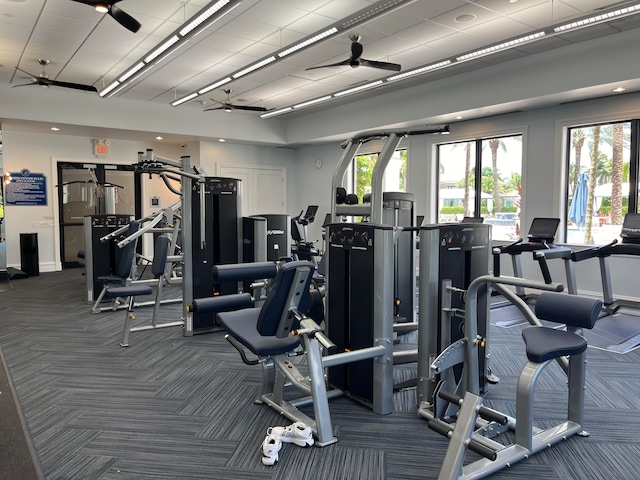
x=29 y=260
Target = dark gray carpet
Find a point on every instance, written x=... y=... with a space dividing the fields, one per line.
x=174 y=407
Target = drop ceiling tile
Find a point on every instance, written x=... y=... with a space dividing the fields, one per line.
x=248 y=28
x=274 y=13
x=588 y=6
x=390 y=24
x=430 y=9
x=541 y=15
x=339 y=9
x=463 y=18
x=504 y=7
x=310 y=23
x=498 y=29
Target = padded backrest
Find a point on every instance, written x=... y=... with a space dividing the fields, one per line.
x=160 y=254
x=243 y=272
x=128 y=252
x=580 y=312
x=290 y=289
x=295 y=232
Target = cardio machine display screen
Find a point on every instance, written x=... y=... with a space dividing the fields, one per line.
x=543 y=229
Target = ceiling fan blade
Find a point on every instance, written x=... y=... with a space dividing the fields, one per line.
x=25 y=84
x=382 y=65
x=76 y=86
x=339 y=64
x=124 y=19
x=214 y=108
x=249 y=108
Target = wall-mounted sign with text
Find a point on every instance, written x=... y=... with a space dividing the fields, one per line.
x=26 y=188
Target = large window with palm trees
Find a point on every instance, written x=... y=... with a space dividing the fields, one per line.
x=499 y=162
x=601 y=166
x=361 y=171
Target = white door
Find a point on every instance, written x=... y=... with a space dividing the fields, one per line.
x=263 y=188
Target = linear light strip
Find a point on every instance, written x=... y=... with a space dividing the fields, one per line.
x=306 y=43
x=501 y=46
x=366 y=14
x=418 y=71
x=202 y=17
x=276 y=112
x=598 y=18
x=313 y=102
x=214 y=85
x=485 y=51
x=211 y=13
x=255 y=66
x=358 y=89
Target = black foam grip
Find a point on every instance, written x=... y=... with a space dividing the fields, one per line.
x=483 y=450
x=572 y=310
x=243 y=272
x=222 y=303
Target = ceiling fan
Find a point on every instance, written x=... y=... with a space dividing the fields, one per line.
x=227 y=106
x=355 y=60
x=43 y=80
x=110 y=7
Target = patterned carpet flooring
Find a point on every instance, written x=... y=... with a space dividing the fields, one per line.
x=176 y=407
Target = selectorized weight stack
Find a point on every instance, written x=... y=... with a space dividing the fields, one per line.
x=101 y=258
x=222 y=240
x=360 y=266
x=451 y=257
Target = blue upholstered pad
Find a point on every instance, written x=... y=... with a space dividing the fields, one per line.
x=241 y=325
x=547 y=343
x=132 y=290
x=572 y=310
x=105 y=279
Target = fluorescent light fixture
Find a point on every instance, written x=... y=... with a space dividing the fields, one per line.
x=501 y=46
x=375 y=10
x=254 y=67
x=55 y=129
x=307 y=42
x=180 y=101
x=379 y=8
x=276 y=112
x=217 y=84
x=131 y=72
x=312 y=102
x=202 y=17
x=585 y=22
x=161 y=49
x=358 y=89
x=418 y=71
x=109 y=88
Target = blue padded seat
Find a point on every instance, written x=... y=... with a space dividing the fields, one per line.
x=241 y=325
x=128 y=291
x=257 y=328
x=544 y=343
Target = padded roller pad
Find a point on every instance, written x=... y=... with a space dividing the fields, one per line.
x=580 y=312
x=128 y=291
x=241 y=325
x=242 y=272
x=106 y=279
x=547 y=343
x=222 y=303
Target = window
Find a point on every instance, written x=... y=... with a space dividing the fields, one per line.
x=499 y=161
x=394 y=176
x=600 y=168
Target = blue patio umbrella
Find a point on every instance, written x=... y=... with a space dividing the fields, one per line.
x=578 y=209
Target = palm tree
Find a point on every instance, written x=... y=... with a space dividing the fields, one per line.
x=577 y=142
x=617 y=173
x=595 y=146
x=494 y=144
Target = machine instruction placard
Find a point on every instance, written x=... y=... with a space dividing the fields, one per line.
x=26 y=188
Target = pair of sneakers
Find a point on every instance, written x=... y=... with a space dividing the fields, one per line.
x=297 y=433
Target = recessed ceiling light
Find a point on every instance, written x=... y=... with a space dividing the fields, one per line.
x=55 y=129
x=465 y=18
x=159 y=138
x=221 y=140
x=513 y=1
x=619 y=90
x=458 y=117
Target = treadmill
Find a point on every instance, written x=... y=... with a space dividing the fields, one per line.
x=630 y=245
x=539 y=241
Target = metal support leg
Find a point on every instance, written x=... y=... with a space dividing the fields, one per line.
x=127 y=322
x=577 y=381
x=319 y=392
x=524 y=403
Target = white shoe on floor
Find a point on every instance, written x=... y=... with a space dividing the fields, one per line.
x=298 y=433
x=270 y=448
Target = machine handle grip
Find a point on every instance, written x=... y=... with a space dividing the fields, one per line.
x=544 y=267
x=485 y=412
x=329 y=346
x=440 y=427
